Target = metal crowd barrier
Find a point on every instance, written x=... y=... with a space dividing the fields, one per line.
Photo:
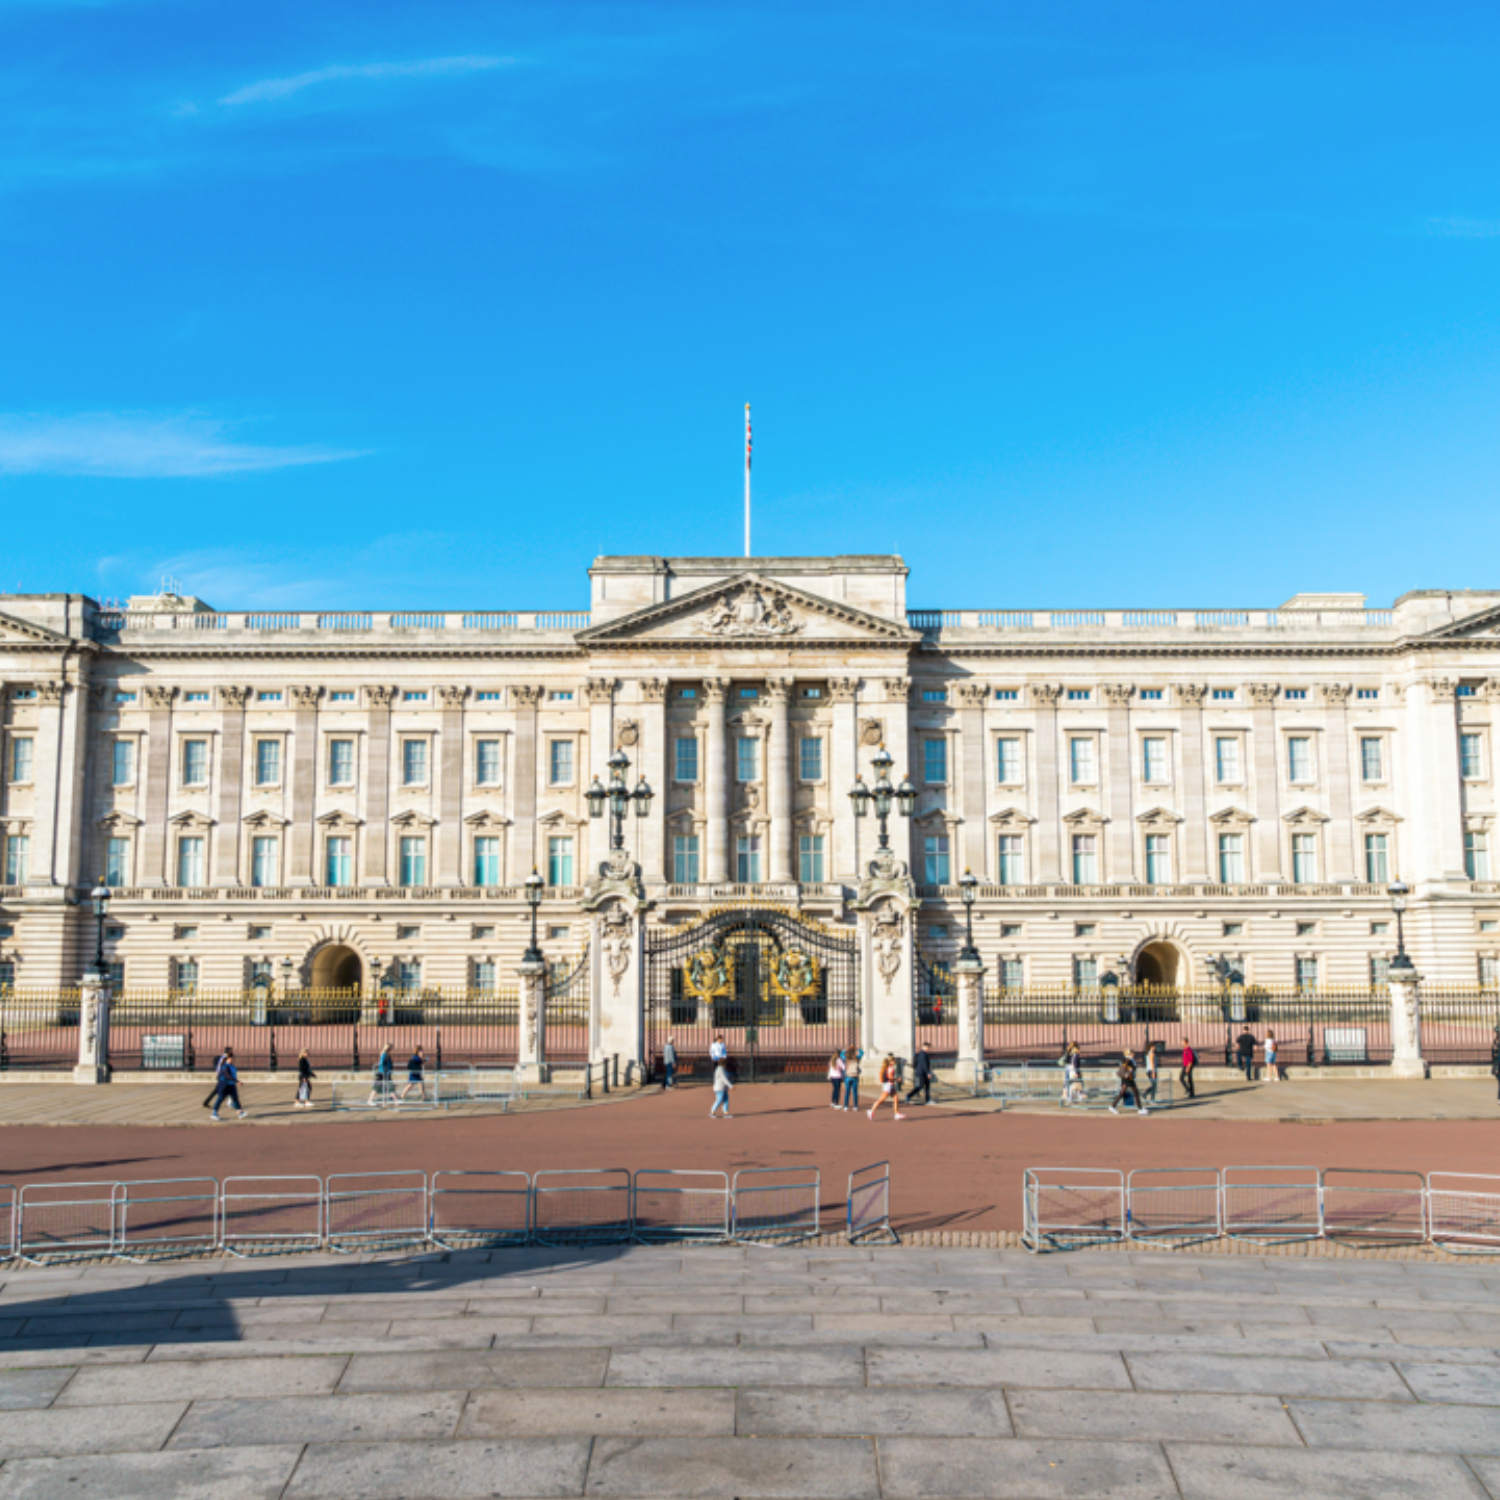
x=271 y=1215
x=166 y=1218
x=375 y=1210
x=479 y=1210
x=777 y=1205
x=581 y=1206
x=1068 y=1208
x=1047 y=1083
x=868 y=1209
x=674 y=1206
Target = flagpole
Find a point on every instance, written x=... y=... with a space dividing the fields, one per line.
x=747 y=479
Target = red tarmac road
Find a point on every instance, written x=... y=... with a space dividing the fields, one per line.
x=950 y=1168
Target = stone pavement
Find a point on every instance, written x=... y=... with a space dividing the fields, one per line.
x=752 y=1373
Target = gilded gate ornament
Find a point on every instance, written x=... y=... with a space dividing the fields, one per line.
x=706 y=975
x=795 y=975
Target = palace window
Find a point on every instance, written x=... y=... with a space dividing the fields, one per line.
x=1080 y=760
x=17 y=858
x=1467 y=690
x=268 y=697
x=117 y=862
x=1226 y=759
x=560 y=763
x=1154 y=759
x=340 y=860
x=265 y=862
x=21 y=759
x=1476 y=855
x=1231 y=859
x=268 y=762
x=413 y=865
x=487 y=762
x=1367 y=695
x=486 y=860
x=185 y=976
x=1222 y=695
x=1295 y=695
x=560 y=860
x=1380 y=971
x=407 y=974
x=810 y=858
x=810 y=758
x=1304 y=858
x=1377 y=858
x=488 y=695
x=1012 y=863
x=119 y=697
x=1008 y=761
x=1007 y=695
x=1012 y=974
x=341 y=762
x=1158 y=859
x=1085 y=859
x=414 y=697
x=746 y=758
x=1086 y=973
x=1307 y=974
x=190 y=860
x=1371 y=759
x=345 y=696
x=1080 y=695
x=747 y=858
x=935 y=762
x=195 y=763
x=935 y=859
x=1234 y=929
x=1299 y=758
x=564 y=696
x=1150 y=695
x=123 y=762
x=484 y=976
x=934 y=695
x=685 y=761
x=685 y=858
x=262 y=975
x=1084 y=929
x=1470 y=756
x=414 y=762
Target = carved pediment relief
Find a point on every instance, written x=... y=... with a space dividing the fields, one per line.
x=338 y=819
x=1377 y=815
x=487 y=819
x=1231 y=817
x=747 y=610
x=1159 y=817
x=557 y=818
x=266 y=819
x=1084 y=817
x=1484 y=624
x=13 y=630
x=191 y=819
x=413 y=819
x=119 y=822
x=1011 y=820
x=1304 y=817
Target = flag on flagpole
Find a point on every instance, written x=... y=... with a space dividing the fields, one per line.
x=747 y=478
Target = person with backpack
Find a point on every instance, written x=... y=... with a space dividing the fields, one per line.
x=921 y=1069
x=1072 y=1065
x=889 y=1088
x=414 y=1065
x=1189 y=1062
x=305 y=1076
x=1129 y=1089
x=228 y=1085
x=381 y=1081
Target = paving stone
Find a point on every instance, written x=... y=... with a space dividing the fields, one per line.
x=1017 y=1469
x=987 y=1322
x=889 y=1338
x=1416 y=1337
x=23 y=1390
x=1135 y=1416
x=747 y=1468
x=874 y=1325
x=1385 y=1317
x=225 y=1474
x=320 y=1419
x=735 y=1322
x=72 y=1354
x=75 y=1325
x=781 y=1306
x=1360 y=1380
x=992 y=1367
x=1253 y=1316
x=838 y=1411
x=109 y=1429
x=1436 y=1353
x=1137 y=1342
x=467 y=1469
x=247 y=1317
x=1424 y=1428
x=328 y=1333
x=199 y=1380
x=609 y=1412
x=1209 y=1328
x=631 y=1304
x=828 y=1365
x=1227 y=1472
x=609 y=1329
x=477 y=1369
x=1474 y=1385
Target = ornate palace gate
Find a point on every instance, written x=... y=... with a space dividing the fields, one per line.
x=783 y=992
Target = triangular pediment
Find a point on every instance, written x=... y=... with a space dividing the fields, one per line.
x=1483 y=624
x=13 y=630
x=749 y=610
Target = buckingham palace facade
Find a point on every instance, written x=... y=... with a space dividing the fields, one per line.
x=347 y=795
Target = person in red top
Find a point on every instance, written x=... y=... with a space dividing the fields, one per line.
x=1189 y=1062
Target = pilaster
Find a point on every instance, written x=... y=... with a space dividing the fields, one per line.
x=716 y=780
x=302 y=754
x=1194 y=859
x=1121 y=841
x=525 y=856
x=651 y=752
x=1266 y=868
x=449 y=833
x=972 y=781
x=592 y=763
x=158 y=774
x=47 y=770
x=1048 y=826
x=779 y=777
x=843 y=763
x=1339 y=856
x=376 y=800
x=231 y=788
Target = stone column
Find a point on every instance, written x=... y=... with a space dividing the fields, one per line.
x=302 y=768
x=93 y=1030
x=1266 y=869
x=226 y=867
x=46 y=771
x=973 y=758
x=716 y=781
x=969 y=979
x=449 y=833
x=651 y=753
x=1193 y=858
x=531 y=1047
x=1120 y=836
x=1048 y=827
x=525 y=857
x=1406 y=1021
x=1339 y=855
x=600 y=746
x=887 y=957
x=779 y=777
x=157 y=774
x=843 y=767
x=377 y=788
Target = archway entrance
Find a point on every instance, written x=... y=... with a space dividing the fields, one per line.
x=337 y=968
x=1157 y=964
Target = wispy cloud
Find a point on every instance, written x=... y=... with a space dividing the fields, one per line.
x=267 y=90
x=141 y=445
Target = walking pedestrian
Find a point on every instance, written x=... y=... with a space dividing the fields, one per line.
x=381 y=1081
x=1273 y=1069
x=1129 y=1089
x=851 y=1080
x=669 y=1062
x=414 y=1065
x=888 y=1089
x=1072 y=1066
x=1244 y=1053
x=305 y=1076
x=722 y=1085
x=717 y=1051
x=836 y=1078
x=921 y=1069
x=1189 y=1062
x=1151 y=1051
x=229 y=1084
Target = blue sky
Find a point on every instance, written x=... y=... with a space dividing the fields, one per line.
x=1072 y=304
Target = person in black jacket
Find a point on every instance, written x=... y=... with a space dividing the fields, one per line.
x=229 y=1084
x=1244 y=1053
x=921 y=1068
x=305 y=1076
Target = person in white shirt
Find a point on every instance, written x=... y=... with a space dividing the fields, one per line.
x=722 y=1086
x=717 y=1051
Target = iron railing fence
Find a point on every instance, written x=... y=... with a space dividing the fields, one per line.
x=565 y=1005
x=38 y=1028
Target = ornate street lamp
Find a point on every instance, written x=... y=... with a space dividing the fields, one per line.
x=99 y=898
x=618 y=798
x=968 y=888
x=1398 y=891
x=883 y=795
x=286 y=977
x=533 y=887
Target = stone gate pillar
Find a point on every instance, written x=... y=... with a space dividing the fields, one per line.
x=93 y=1030
x=531 y=1047
x=617 y=904
x=1406 y=1021
x=886 y=907
x=969 y=976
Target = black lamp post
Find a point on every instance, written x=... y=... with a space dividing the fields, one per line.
x=883 y=795
x=533 y=887
x=1398 y=891
x=968 y=888
x=99 y=897
x=286 y=978
x=618 y=797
